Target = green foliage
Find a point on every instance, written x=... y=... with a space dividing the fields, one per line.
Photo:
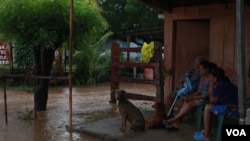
x=34 y=22
x=30 y=23
x=92 y=62
x=141 y=15
x=24 y=56
x=130 y=15
x=87 y=52
x=114 y=13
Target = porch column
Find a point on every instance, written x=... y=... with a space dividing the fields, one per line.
x=241 y=72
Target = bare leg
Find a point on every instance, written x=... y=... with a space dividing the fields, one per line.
x=207 y=120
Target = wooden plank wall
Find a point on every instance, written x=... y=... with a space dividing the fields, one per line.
x=222 y=48
x=192 y=40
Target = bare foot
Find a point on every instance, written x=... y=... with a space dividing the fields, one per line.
x=167 y=122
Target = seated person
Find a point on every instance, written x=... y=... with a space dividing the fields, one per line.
x=189 y=84
x=195 y=99
x=224 y=93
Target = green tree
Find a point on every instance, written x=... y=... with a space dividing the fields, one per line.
x=130 y=15
x=31 y=24
x=142 y=16
x=91 y=63
x=114 y=13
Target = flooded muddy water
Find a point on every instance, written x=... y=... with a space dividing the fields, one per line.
x=89 y=104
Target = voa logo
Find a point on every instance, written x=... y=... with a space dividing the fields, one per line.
x=236 y=132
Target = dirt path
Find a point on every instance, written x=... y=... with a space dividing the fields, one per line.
x=89 y=104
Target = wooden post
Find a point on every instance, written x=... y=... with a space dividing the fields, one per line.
x=5 y=102
x=115 y=58
x=70 y=63
x=158 y=72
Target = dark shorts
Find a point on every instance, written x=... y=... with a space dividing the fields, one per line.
x=220 y=109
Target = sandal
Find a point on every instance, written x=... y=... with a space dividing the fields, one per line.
x=200 y=137
x=199 y=132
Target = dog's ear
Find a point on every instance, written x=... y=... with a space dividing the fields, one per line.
x=118 y=94
x=123 y=94
x=116 y=91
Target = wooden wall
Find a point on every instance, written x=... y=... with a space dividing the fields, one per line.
x=222 y=48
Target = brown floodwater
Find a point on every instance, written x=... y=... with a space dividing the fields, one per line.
x=89 y=104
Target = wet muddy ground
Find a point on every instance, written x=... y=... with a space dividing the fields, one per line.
x=89 y=104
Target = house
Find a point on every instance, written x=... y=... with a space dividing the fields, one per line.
x=208 y=28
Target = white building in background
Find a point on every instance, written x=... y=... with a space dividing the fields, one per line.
x=133 y=56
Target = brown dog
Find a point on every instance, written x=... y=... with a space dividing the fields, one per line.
x=129 y=112
x=159 y=116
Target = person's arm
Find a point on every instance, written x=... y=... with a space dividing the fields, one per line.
x=213 y=100
x=193 y=95
x=198 y=91
x=202 y=96
x=198 y=97
x=214 y=94
x=188 y=73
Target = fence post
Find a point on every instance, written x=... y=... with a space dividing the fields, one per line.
x=114 y=81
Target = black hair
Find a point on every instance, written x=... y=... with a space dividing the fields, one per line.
x=212 y=66
x=209 y=65
x=219 y=73
x=201 y=59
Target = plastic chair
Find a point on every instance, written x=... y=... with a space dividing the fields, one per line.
x=199 y=114
x=199 y=110
x=221 y=118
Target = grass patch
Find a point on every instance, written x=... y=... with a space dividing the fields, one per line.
x=21 y=87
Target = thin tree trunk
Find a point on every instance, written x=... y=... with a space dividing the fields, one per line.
x=43 y=63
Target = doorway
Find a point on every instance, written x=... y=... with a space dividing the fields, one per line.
x=191 y=38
